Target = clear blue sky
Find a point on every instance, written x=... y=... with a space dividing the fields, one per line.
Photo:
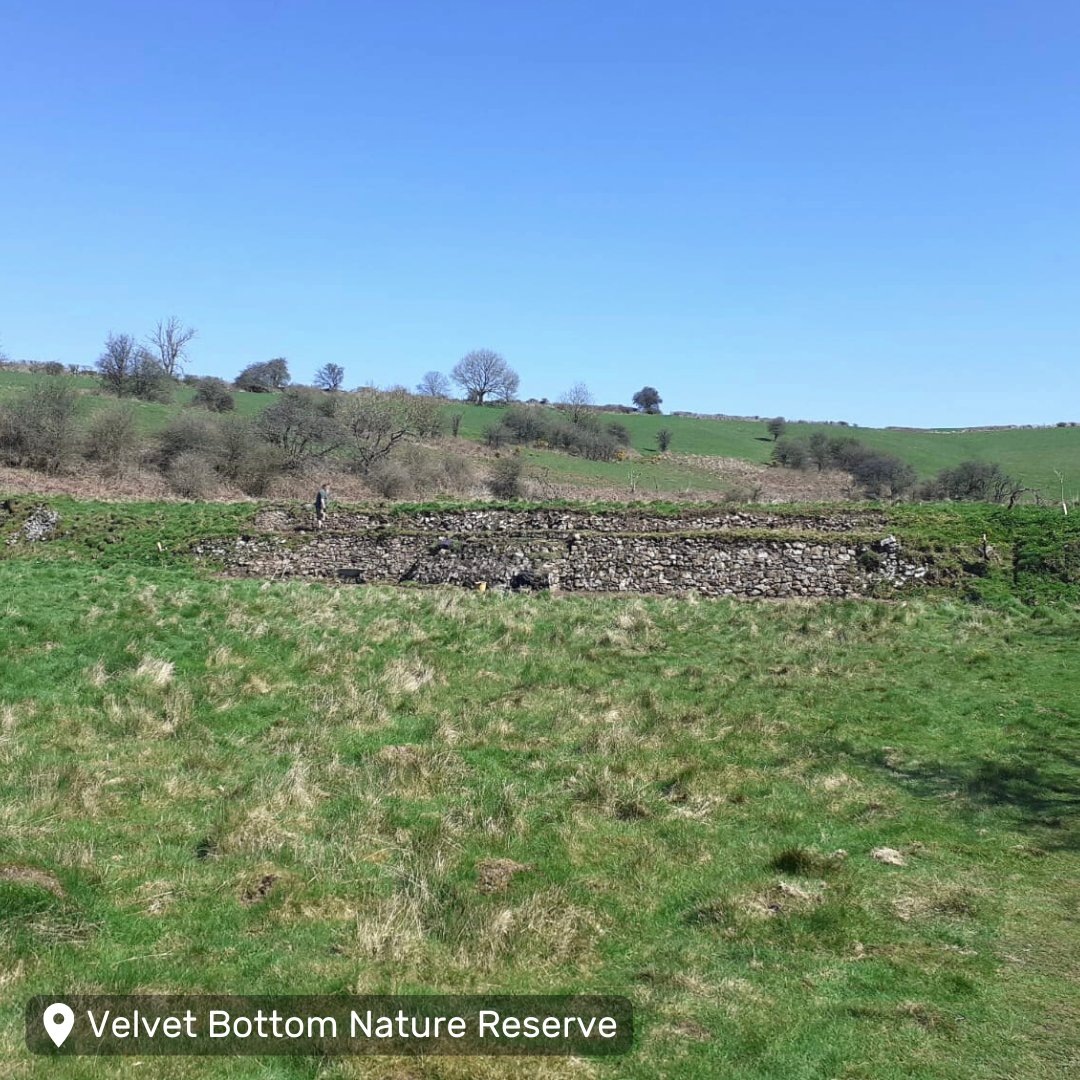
x=864 y=210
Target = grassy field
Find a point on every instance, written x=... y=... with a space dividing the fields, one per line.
x=219 y=785
x=151 y=416
x=1031 y=455
x=1034 y=456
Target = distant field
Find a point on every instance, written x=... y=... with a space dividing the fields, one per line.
x=1030 y=455
x=219 y=785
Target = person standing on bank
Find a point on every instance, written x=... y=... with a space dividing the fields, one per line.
x=321 y=500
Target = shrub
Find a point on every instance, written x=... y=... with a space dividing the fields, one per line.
x=14 y=436
x=877 y=473
x=214 y=394
x=530 y=425
x=243 y=458
x=192 y=476
x=46 y=431
x=663 y=439
x=416 y=470
x=190 y=432
x=973 y=481
x=776 y=427
x=302 y=426
x=391 y=479
x=112 y=439
x=149 y=381
x=791 y=453
x=619 y=432
x=880 y=474
x=508 y=478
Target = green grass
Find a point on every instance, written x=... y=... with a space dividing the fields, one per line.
x=151 y=416
x=650 y=475
x=1031 y=455
x=677 y=776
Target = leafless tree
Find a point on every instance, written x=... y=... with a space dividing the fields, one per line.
x=577 y=402
x=118 y=362
x=483 y=373
x=330 y=377
x=169 y=341
x=434 y=384
x=377 y=420
x=303 y=425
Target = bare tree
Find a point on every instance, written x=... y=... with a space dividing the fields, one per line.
x=330 y=377
x=577 y=402
x=169 y=341
x=434 y=384
x=483 y=373
x=118 y=362
x=302 y=425
x=377 y=420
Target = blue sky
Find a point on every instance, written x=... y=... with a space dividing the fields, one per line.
x=863 y=210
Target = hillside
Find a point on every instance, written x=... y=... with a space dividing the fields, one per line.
x=1032 y=455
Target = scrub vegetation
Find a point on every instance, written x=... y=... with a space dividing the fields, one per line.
x=266 y=440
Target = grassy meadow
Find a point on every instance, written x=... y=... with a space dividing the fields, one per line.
x=280 y=787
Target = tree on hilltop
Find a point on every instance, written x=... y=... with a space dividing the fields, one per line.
x=577 y=402
x=433 y=384
x=483 y=373
x=647 y=400
x=330 y=377
x=168 y=344
x=264 y=377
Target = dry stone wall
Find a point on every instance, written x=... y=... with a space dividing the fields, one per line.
x=451 y=522
x=712 y=553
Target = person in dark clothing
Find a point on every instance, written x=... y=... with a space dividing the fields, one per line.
x=322 y=498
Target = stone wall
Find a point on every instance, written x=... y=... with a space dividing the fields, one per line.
x=710 y=552
x=452 y=522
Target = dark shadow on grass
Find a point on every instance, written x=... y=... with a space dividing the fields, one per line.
x=1043 y=797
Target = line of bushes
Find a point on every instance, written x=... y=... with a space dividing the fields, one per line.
x=580 y=432
x=377 y=435
x=881 y=475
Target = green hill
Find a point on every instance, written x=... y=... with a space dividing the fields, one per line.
x=1032 y=455
x=1029 y=454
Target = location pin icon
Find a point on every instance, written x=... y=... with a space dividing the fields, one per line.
x=58 y=1020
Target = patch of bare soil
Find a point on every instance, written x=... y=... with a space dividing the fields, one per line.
x=691 y=1029
x=780 y=899
x=257 y=892
x=495 y=875
x=770 y=483
x=32 y=875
